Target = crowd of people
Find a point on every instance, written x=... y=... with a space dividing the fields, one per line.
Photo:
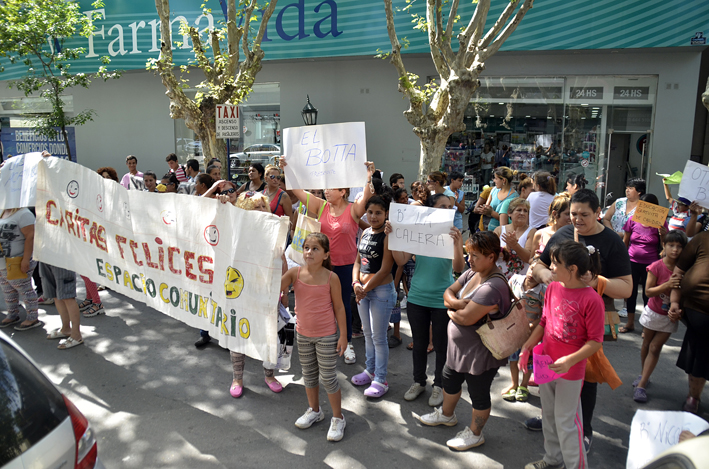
x=524 y=239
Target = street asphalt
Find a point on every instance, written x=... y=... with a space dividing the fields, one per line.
x=155 y=401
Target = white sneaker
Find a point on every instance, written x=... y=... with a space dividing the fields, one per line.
x=465 y=440
x=414 y=391
x=437 y=418
x=623 y=313
x=404 y=302
x=309 y=418
x=436 y=398
x=350 y=357
x=337 y=429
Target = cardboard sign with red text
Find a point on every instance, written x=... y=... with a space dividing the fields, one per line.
x=210 y=265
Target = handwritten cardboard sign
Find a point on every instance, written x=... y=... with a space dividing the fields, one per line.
x=653 y=432
x=541 y=362
x=650 y=214
x=18 y=181
x=329 y=156
x=421 y=230
x=695 y=183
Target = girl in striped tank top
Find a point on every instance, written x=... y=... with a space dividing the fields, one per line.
x=319 y=314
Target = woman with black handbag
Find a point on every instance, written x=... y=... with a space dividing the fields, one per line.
x=479 y=292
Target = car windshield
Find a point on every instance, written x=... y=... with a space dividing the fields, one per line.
x=30 y=406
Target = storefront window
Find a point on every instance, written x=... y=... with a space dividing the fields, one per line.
x=595 y=126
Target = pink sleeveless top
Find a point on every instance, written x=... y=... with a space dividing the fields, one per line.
x=315 y=316
x=342 y=232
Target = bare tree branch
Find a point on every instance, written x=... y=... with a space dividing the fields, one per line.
x=473 y=32
x=451 y=20
x=246 y=27
x=435 y=29
x=202 y=60
x=499 y=24
x=509 y=29
x=232 y=45
x=264 y=23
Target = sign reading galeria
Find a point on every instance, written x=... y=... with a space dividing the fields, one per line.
x=330 y=156
x=209 y=265
x=422 y=231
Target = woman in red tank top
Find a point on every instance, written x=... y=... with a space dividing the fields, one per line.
x=278 y=201
x=340 y=221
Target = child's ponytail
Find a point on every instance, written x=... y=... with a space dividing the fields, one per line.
x=585 y=258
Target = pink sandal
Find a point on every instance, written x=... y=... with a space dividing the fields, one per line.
x=691 y=405
x=236 y=390
x=275 y=386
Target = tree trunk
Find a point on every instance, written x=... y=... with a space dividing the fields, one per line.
x=66 y=141
x=213 y=147
x=432 y=149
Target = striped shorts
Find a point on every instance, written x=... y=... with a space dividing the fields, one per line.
x=57 y=282
x=318 y=359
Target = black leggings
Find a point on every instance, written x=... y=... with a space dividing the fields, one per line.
x=420 y=317
x=588 y=405
x=639 y=273
x=478 y=385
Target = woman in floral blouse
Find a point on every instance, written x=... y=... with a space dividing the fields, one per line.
x=516 y=240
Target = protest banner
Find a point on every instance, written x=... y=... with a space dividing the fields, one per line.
x=18 y=180
x=541 y=362
x=650 y=214
x=207 y=264
x=695 y=183
x=421 y=230
x=654 y=431
x=329 y=156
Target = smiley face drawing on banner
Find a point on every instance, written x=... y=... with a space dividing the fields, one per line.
x=234 y=283
x=211 y=235
x=72 y=189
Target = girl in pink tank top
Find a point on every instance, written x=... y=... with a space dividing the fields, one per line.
x=319 y=314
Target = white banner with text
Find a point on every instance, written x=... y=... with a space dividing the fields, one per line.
x=420 y=230
x=210 y=265
x=18 y=180
x=329 y=156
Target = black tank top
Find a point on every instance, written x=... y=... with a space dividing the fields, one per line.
x=371 y=251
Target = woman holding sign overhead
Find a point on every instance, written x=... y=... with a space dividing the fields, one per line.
x=644 y=244
x=339 y=221
x=425 y=307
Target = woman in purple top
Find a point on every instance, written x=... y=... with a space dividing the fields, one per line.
x=644 y=244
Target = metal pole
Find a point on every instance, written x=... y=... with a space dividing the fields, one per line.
x=608 y=164
x=228 y=159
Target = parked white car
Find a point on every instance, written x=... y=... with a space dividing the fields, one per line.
x=39 y=426
x=263 y=153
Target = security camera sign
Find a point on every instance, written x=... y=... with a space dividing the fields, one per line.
x=227 y=119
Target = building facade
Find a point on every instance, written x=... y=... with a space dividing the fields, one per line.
x=608 y=88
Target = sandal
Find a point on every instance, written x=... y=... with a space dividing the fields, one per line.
x=691 y=405
x=362 y=378
x=522 y=394
x=56 y=334
x=410 y=346
x=4 y=324
x=394 y=341
x=429 y=349
x=624 y=330
x=29 y=326
x=510 y=396
x=376 y=389
x=69 y=342
x=274 y=386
